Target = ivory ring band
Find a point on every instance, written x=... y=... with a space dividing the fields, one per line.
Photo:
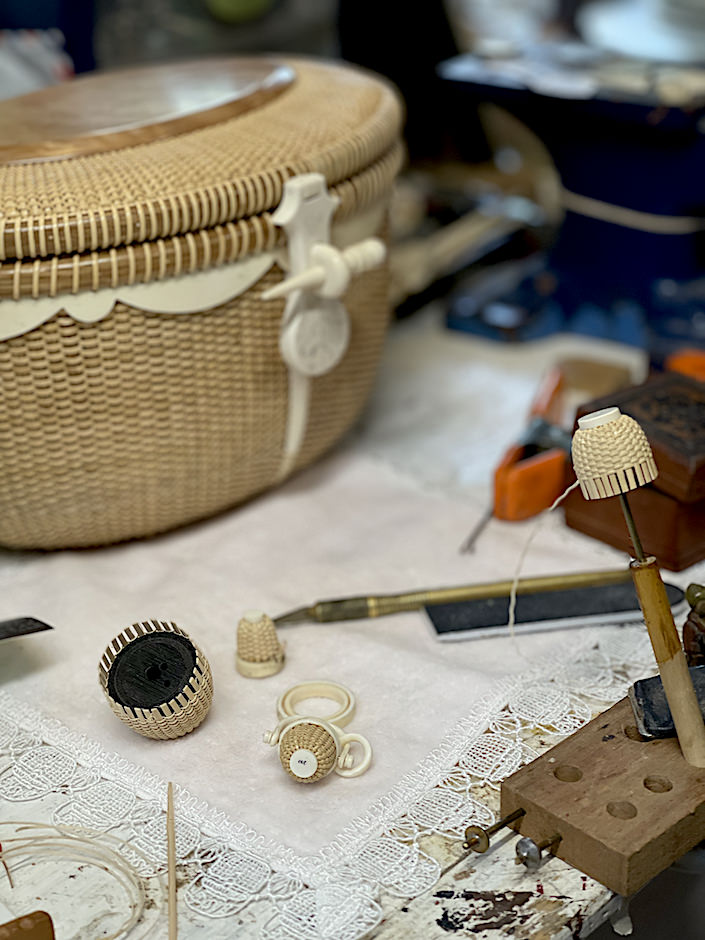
x=287 y=702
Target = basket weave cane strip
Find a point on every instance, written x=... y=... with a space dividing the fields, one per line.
x=179 y=715
x=181 y=253
x=163 y=188
x=310 y=737
x=612 y=458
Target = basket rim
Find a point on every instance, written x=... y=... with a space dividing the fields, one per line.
x=187 y=253
x=74 y=216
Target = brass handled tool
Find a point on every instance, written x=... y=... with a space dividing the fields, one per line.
x=380 y=605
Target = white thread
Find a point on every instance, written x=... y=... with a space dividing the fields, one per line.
x=82 y=845
x=522 y=556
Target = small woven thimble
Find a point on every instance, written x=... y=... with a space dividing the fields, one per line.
x=259 y=652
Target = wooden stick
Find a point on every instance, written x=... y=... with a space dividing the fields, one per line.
x=171 y=859
x=7 y=870
x=670 y=657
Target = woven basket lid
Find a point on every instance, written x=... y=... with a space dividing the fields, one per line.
x=127 y=157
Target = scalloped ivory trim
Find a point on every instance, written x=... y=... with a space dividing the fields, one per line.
x=190 y=293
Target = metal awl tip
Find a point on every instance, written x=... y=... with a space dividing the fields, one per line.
x=300 y=615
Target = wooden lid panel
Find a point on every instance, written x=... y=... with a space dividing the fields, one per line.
x=112 y=110
x=158 y=172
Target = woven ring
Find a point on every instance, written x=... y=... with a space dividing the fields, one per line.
x=286 y=704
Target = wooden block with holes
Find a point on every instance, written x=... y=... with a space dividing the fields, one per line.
x=626 y=808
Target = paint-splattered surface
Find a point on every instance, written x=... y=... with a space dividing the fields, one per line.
x=489 y=897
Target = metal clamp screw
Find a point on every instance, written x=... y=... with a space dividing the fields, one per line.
x=478 y=839
x=530 y=854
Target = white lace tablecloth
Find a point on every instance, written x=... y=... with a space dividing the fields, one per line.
x=258 y=852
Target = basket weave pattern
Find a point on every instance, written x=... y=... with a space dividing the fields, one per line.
x=259 y=652
x=179 y=715
x=310 y=737
x=141 y=422
x=193 y=251
x=333 y=121
x=612 y=458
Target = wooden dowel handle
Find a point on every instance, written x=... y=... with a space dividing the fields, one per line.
x=677 y=684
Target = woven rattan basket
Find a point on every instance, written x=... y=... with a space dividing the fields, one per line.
x=142 y=383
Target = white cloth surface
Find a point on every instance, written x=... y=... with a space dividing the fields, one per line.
x=385 y=513
x=350 y=525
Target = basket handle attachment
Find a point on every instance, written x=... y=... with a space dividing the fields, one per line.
x=315 y=330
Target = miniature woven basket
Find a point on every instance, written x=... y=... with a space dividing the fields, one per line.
x=311 y=737
x=142 y=384
x=152 y=708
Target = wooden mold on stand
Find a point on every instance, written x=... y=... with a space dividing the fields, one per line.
x=671 y=510
x=616 y=806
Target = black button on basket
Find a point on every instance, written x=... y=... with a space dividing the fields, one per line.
x=156 y=679
x=151 y=670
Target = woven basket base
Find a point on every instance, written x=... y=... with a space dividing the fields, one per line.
x=258 y=670
x=142 y=422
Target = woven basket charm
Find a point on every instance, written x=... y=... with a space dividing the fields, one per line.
x=156 y=680
x=310 y=748
x=308 y=752
x=259 y=652
x=611 y=454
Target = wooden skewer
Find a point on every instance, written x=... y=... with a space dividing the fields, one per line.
x=171 y=859
x=7 y=870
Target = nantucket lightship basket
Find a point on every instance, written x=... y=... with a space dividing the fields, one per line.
x=145 y=382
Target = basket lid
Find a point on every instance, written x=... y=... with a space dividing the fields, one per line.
x=118 y=158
